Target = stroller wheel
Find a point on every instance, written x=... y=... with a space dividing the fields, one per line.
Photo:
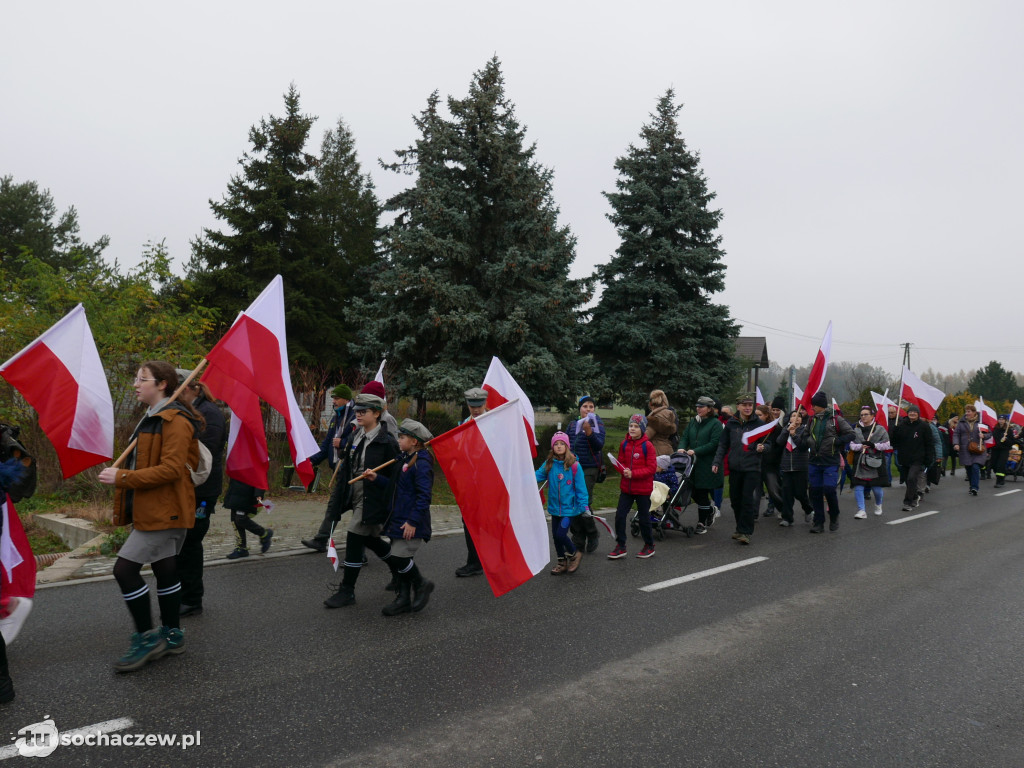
x=689 y=531
x=634 y=529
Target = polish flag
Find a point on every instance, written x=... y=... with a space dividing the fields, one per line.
x=924 y=396
x=882 y=403
x=247 y=458
x=987 y=413
x=502 y=388
x=1017 y=414
x=798 y=395
x=17 y=572
x=986 y=431
x=332 y=554
x=488 y=466
x=380 y=372
x=759 y=398
x=254 y=355
x=818 y=370
x=761 y=432
x=61 y=376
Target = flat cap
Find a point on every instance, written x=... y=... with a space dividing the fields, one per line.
x=476 y=396
x=413 y=428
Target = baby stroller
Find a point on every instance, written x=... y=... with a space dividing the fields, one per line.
x=674 y=471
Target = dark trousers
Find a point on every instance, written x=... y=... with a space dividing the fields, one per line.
x=643 y=516
x=772 y=486
x=794 y=488
x=472 y=558
x=190 y=559
x=915 y=480
x=244 y=522
x=584 y=528
x=339 y=493
x=822 y=480
x=560 y=535
x=743 y=486
x=705 y=510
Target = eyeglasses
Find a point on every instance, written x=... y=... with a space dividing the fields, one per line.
x=139 y=379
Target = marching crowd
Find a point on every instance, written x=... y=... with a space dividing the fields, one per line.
x=384 y=476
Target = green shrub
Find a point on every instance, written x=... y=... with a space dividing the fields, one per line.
x=113 y=542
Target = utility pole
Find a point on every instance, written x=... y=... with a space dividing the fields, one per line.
x=906 y=354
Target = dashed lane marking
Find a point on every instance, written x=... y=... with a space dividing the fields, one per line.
x=1007 y=493
x=912 y=517
x=700 y=574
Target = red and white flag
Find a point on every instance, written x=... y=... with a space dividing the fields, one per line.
x=757 y=434
x=987 y=413
x=332 y=553
x=502 y=388
x=61 y=376
x=818 y=370
x=247 y=459
x=758 y=397
x=488 y=465
x=1017 y=414
x=924 y=396
x=17 y=572
x=253 y=354
x=882 y=403
x=986 y=432
x=798 y=395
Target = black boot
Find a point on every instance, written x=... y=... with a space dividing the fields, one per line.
x=402 y=603
x=344 y=596
x=6 y=686
x=421 y=589
x=392 y=586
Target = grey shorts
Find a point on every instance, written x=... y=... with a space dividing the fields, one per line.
x=151 y=546
x=405 y=547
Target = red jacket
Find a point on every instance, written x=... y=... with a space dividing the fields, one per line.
x=631 y=456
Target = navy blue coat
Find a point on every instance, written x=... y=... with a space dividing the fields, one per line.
x=588 y=451
x=410 y=500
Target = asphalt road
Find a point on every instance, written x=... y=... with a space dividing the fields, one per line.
x=878 y=645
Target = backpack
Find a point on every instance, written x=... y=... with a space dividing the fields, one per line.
x=202 y=472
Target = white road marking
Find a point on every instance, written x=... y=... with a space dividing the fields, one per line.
x=912 y=517
x=700 y=574
x=107 y=726
x=1007 y=493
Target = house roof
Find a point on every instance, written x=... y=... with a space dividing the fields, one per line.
x=753 y=349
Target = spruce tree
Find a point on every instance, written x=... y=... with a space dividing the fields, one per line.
x=655 y=326
x=476 y=263
x=274 y=226
x=993 y=382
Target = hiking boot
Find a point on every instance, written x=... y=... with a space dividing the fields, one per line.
x=647 y=551
x=265 y=539
x=402 y=603
x=469 y=569
x=575 y=560
x=392 y=586
x=743 y=539
x=561 y=567
x=818 y=528
x=833 y=526
x=618 y=553
x=175 y=639
x=421 y=589
x=344 y=596
x=315 y=544
x=861 y=515
x=146 y=647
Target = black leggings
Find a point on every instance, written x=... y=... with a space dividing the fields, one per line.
x=136 y=592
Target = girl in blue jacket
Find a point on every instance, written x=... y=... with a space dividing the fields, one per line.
x=567 y=498
x=408 y=526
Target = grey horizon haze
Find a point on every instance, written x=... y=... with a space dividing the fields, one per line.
x=867 y=158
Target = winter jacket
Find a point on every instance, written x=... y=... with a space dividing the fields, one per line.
x=156 y=493
x=567 y=490
x=825 y=437
x=702 y=438
x=661 y=425
x=213 y=437
x=966 y=432
x=378 y=451
x=937 y=442
x=913 y=442
x=588 y=450
x=771 y=454
x=869 y=444
x=241 y=497
x=795 y=460
x=640 y=457
x=410 y=497
x=340 y=425
x=731 y=444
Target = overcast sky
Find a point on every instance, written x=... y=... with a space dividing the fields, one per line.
x=867 y=157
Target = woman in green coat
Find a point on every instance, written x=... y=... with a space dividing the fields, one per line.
x=700 y=440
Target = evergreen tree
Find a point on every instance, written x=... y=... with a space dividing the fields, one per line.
x=655 y=326
x=476 y=263
x=29 y=223
x=993 y=382
x=274 y=227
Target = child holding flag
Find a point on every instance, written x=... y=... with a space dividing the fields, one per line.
x=637 y=461
x=567 y=499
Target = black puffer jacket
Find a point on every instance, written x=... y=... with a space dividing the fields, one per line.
x=382 y=449
x=731 y=443
x=214 y=436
